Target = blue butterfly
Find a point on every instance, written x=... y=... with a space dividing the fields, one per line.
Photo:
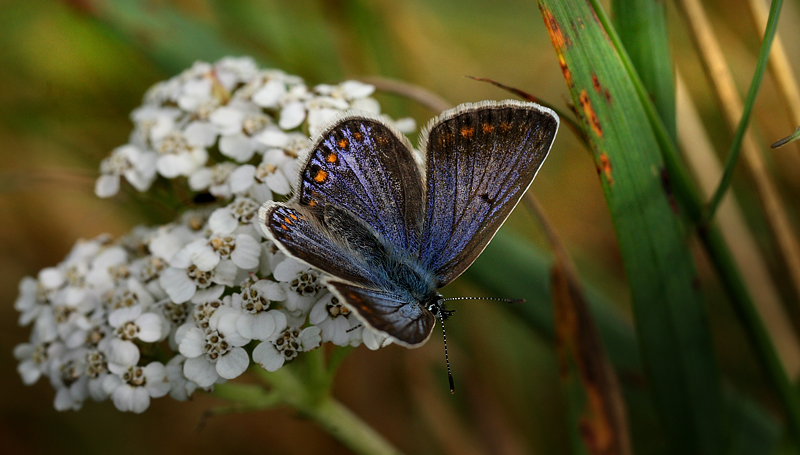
x=391 y=232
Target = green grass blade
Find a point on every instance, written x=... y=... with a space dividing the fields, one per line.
x=642 y=27
x=671 y=323
x=736 y=145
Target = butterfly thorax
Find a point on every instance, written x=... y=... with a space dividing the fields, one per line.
x=405 y=275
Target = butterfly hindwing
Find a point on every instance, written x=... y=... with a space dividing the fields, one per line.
x=404 y=320
x=480 y=161
x=364 y=166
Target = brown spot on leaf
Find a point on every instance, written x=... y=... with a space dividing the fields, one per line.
x=665 y=184
x=589 y=113
x=599 y=88
x=560 y=42
x=605 y=168
x=602 y=425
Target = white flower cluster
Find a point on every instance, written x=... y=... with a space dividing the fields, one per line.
x=174 y=308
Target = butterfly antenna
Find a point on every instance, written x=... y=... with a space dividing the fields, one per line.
x=446 y=357
x=486 y=298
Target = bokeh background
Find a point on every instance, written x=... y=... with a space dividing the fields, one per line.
x=71 y=72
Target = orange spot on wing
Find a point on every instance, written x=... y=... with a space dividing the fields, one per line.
x=342 y=143
x=487 y=128
x=320 y=176
x=294 y=217
x=284 y=227
x=591 y=115
x=287 y=220
x=505 y=126
x=358 y=136
x=467 y=131
x=312 y=203
x=332 y=157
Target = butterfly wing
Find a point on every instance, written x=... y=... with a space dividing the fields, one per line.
x=363 y=165
x=406 y=322
x=313 y=235
x=481 y=159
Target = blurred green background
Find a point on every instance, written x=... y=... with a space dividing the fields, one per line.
x=71 y=72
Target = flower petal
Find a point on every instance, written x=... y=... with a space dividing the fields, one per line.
x=268 y=357
x=233 y=364
x=193 y=343
x=201 y=371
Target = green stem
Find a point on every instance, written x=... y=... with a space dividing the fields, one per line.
x=736 y=146
x=327 y=412
x=713 y=242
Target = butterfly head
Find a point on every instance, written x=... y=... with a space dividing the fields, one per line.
x=437 y=306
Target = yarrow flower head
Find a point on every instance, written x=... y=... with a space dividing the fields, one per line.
x=184 y=306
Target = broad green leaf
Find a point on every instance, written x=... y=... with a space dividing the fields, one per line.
x=642 y=27
x=674 y=337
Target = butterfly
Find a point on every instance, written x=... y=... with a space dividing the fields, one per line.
x=391 y=231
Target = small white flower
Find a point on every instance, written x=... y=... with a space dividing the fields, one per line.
x=96 y=371
x=258 y=321
x=334 y=320
x=196 y=266
x=239 y=124
x=217 y=352
x=132 y=387
x=170 y=239
x=68 y=378
x=301 y=283
x=152 y=123
x=374 y=340
x=35 y=359
x=33 y=296
x=121 y=351
x=181 y=388
x=259 y=182
x=177 y=156
x=215 y=179
x=239 y=216
x=285 y=346
x=128 y=299
x=136 y=165
x=242 y=249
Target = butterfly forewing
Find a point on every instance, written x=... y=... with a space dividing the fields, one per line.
x=362 y=165
x=480 y=161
